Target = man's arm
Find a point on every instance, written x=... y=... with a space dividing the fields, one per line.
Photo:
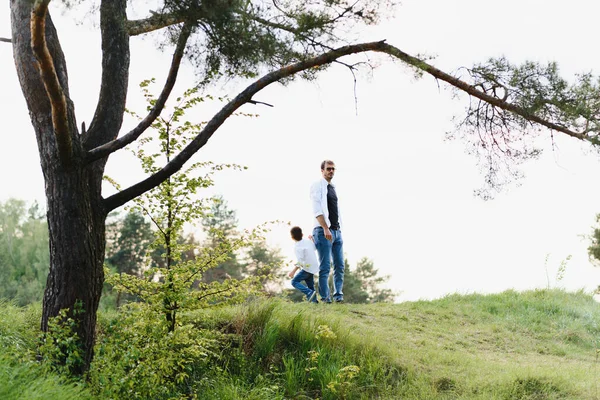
x=318 y=211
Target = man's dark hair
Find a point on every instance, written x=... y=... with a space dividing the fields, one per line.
x=296 y=233
x=324 y=163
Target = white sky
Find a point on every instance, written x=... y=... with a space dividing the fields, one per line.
x=406 y=193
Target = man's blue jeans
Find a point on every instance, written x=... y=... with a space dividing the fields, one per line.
x=329 y=250
x=303 y=276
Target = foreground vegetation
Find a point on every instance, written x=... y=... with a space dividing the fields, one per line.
x=532 y=345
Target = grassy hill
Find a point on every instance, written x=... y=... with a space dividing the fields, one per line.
x=533 y=345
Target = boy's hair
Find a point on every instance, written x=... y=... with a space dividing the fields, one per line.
x=296 y=232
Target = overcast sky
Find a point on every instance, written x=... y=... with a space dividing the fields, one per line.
x=407 y=193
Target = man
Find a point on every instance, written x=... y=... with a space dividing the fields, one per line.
x=327 y=233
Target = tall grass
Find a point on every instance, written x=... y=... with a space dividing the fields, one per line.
x=20 y=376
x=535 y=345
x=20 y=381
x=532 y=345
x=312 y=351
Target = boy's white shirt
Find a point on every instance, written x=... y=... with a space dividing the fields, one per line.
x=306 y=256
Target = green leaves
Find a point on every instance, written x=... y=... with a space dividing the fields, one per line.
x=501 y=138
x=60 y=347
x=173 y=276
x=152 y=347
x=239 y=38
x=139 y=358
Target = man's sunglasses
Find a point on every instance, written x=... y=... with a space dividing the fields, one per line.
x=330 y=168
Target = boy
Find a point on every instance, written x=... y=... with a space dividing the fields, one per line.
x=307 y=264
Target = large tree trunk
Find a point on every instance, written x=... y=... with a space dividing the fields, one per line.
x=76 y=216
x=76 y=225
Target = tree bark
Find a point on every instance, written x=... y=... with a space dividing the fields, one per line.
x=76 y=217
x=77 y=245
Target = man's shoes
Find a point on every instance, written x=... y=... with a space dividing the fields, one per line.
x=339 y=301
x=313 y=297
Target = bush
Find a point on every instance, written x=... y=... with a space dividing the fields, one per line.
x=137 y=357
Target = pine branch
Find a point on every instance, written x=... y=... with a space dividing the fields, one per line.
x=473 y=91
x=245 y=96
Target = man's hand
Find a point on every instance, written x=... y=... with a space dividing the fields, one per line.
x=326 y=231
x=291 y=274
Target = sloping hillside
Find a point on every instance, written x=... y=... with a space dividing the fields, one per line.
x=534 y=345
x=531 y=345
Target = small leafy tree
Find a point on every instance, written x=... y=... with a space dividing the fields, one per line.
x=167 y=284
x=154 y=347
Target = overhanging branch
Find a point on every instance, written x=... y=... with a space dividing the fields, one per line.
x=473 y=91
x=6 y=40
x=245 y=96
x=106 y=149
x=56 y=96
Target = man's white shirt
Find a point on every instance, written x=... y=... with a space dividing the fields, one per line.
x=306 y=256
x=318 y=197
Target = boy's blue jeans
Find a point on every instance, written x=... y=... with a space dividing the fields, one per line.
x=303 y=276
x=329 y=250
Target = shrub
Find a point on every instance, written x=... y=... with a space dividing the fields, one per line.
x=137 y=357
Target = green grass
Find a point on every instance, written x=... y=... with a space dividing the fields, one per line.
x=21 y=377
x=535 y=345
x=20 y=380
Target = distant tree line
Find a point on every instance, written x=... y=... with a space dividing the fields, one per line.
x=594 y=246
x=362 y=284
x=24 y=256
